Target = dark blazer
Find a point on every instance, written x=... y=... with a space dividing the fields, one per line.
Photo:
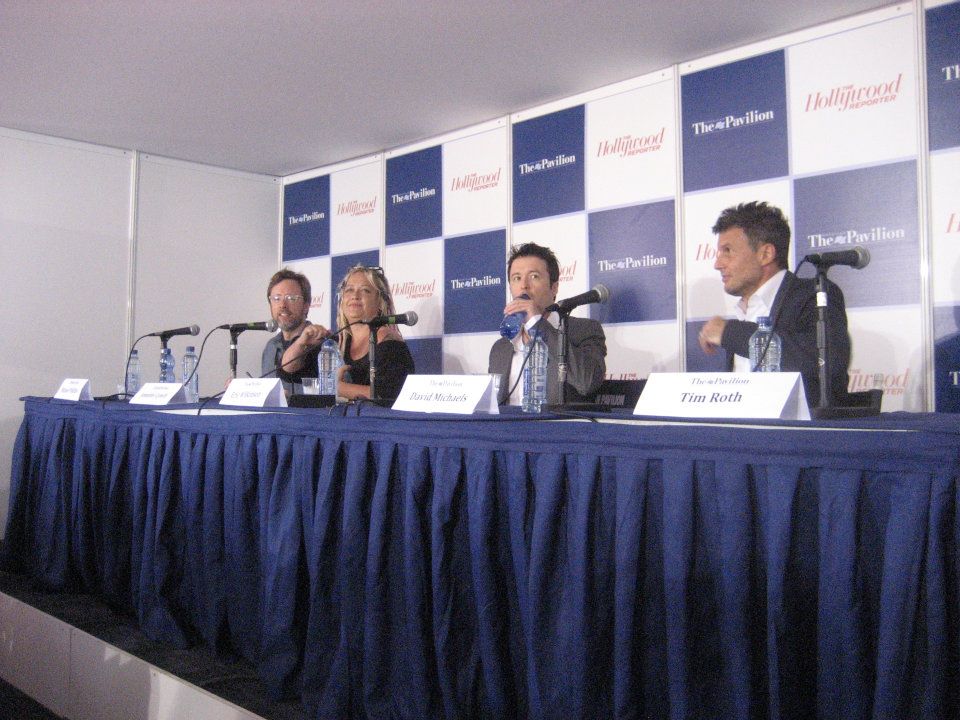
x=586 y=367
x=794 y=315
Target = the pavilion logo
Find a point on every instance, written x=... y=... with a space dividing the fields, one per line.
x=730 y=122
x=316 y=300
x=631 y=263
x=412 y=195
x=854 y=97
x=475 y=282
x=561 y=160
x=854 y=236
x=305 y=218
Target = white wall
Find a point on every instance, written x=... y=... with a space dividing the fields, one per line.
x=206 y=247
x=202 y=252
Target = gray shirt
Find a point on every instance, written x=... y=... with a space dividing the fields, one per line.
x=272 y=353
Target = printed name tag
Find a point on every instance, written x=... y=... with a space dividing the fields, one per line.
x=159 y=394
x=724 y=395
x=74 y=389
x=255 y=392
x=462 y=394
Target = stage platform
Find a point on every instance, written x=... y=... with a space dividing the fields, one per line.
x=69 y=655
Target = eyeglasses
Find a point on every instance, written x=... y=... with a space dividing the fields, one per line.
x=376 y=269
x=276 y=299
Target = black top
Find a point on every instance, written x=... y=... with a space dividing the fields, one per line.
x=394 y=363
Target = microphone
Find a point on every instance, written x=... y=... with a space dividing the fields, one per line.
x=269 y=326
x=191 y=330
x=858 y=258
x=407 y=318
x=599 y=294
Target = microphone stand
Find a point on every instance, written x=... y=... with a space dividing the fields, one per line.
x=562 y=356
x=372 y=355
x=234 y=334
x=823 y=360
x=824 y=409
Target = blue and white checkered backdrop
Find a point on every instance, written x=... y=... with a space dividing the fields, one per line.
x=625 y=185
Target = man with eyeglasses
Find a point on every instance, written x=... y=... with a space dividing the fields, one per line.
x=288 y=294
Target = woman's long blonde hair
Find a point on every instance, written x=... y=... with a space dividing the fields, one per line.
x=375 y=277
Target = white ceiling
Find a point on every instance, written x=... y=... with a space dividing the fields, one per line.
x=279 y=86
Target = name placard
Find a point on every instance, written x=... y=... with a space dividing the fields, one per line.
x=461 y=394
x=724 y=395
x=159 y=394
x=74 y=389
x=255 y=392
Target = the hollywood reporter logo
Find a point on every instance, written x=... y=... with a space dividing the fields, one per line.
x=355 y=208
x=412 y=290
x=629 y=145
x=854 y=97
x=890 y=383
x=474 y=182
x=953 y=223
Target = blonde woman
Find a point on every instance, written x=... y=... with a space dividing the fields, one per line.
x=363 y=294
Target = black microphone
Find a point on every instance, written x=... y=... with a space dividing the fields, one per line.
x=269 y=326
x=599 y=294
x=191 y=330
x=858 y=258
x=407 y=318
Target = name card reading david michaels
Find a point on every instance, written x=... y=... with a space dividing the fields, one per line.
x=724 y=395
x=461 y=394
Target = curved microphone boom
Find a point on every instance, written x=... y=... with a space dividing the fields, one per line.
x=599 y=294
x=407 y=318
x=269 y=326
x=191 y=330
x=857 y=258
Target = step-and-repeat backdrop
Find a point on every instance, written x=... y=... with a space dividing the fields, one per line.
x=624 y=184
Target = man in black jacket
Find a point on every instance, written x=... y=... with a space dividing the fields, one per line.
x=533 y=273
x=753 y=243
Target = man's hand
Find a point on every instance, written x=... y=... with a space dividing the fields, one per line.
x=523 y=305
x=313 y=335
x=711 y=334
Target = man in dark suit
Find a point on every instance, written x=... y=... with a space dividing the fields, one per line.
x=753 y=243
x=533 y=270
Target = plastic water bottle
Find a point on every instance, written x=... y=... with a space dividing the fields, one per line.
x=328 y=363
x=765 y=348
x=133 y=374
x=511 y=324
x=535 y=375
x=192 y=387
x=168 y=371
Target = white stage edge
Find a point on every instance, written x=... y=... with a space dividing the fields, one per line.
x=80 y=677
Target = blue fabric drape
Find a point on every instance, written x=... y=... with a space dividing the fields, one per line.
x=396 y=566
